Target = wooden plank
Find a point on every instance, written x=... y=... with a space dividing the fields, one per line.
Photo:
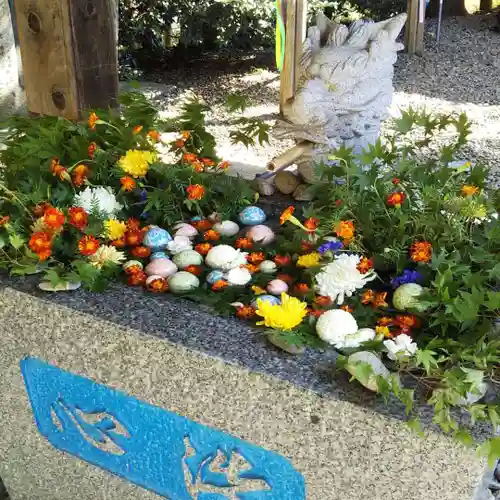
x=414 y=33
x=300 y=36
x=287 y=80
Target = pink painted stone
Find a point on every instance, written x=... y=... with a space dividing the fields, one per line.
x=261 y=234
x=161 y=267
x=277 y=287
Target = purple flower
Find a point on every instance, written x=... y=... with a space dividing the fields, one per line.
x=143 y=195
x=408 y=276
x=330 y=246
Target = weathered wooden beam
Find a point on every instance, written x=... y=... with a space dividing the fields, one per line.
x=69 y=54
x=414 y=33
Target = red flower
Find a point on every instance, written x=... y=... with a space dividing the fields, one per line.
x=306 y=246
x=223 y=165
x=135 y=268
x=158 y=285
x=286 y=278
x=54 y=218
x=211 y=235
x=128 y=183
x=59 y=171
x=421 y=251
x=315 y=312
x=4 y=220
x=396 y=181
x=78 y=217
x=243 y=243
x=154 y=135
x=302 y=288
x=190 y=157
x=179 y=143
x=323 y=301
x=207 y=162
x=141 y=252
x=252 y=268
x=195 y=192
x=120 y=243
x=338 y=203
x=245 y=312
x=88 y=245
x=202 y=225
x=407 y=321
x=137 y=279
x=347 y=308
x=79 y=175
x=365 y=265
x=256 y=258
x=134 y=237
x=133 y=224
x=219 y=285
x=311 y=224
x=41 y=208
x=92 y=149
x=93 y=118
x=282 y=260
x=203 y=248
x=196 y=270
x=396 y=199
x=41 y=244
x=137 y=130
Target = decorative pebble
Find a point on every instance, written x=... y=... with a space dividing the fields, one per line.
x=277 y=287
x=156 y=238
x=65 y=286
x=183 y=282
x=214 y=217
x=131 y=263
x=159 y=255
x=184 y=229
x=161 y=267
x=226 y=228
x=261 y=234
x=187 y=258
x=267 y=298
x=286 y=181
x=214 y=276
x=268 y=267
x=251 y=216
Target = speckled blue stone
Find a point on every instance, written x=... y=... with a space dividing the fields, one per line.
x=267 y=298
x=157 y=238
x=214 y=276
x=251 y=216
x=159 y=255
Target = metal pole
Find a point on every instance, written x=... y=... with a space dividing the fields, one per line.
x=440 y=18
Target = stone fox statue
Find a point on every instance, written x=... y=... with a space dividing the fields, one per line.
x=344 y=90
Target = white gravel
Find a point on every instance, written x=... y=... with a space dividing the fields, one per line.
x=463 y=74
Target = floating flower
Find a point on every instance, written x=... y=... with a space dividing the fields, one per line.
x=401 y=347
x=340 y=329
x=323 y=301
x=114 y=229
x=194 y=269
x=244 y=243
x=106 y=254
x=141 y=252
x=256 y=258
x=330 y=246
x=136 y=163
x=134 y=237
x=128 y=183
x=245 y=312
x=189 y=157
x=311 y=224
x=137 y=130
x=258 y=290
x=154 y=135
x=384 y=331
x=203 y=248
x=284 y=316
x=308 y=260
x=93 y=119
x=469 y=190
x=157 y=285
x=347 y=308
x=78 y=217
x=137 y=279
x=211 y=235
x=88 y=245
x=79 y=175
x=92 y=149
x=219 y=285
x=54 y=218
x=239 y=276
x=341 y=278
x=365 y=265
x=380 y=300
x=41 y=244
x=345 y=229
x=367 y=297
x=195 y=192
x=301 y=288
x=179 y=244
x=396 y=199
x=408 y=276
x=421 y=251
x=99 y=198
x=283 y=260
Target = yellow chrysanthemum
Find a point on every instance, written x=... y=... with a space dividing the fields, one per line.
x=136 y=163
x=308 y=260
x=115 y=229
x=284 y=316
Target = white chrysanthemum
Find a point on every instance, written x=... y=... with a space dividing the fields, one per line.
x=179 y=244
x=238 y=276
x=225 y=258
x=100 y=198
x=106 y=254
x=341 y=278
x=400 y=347
x=339 y=328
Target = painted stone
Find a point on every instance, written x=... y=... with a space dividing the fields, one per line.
x=187 y=258
x=159 y=255
x=156 y=238
x=268 y=267
x=251 y=216
x=184 y=229
x=132 y=263
x=267 y=298
x=227 y=228
x=65 y=286
x=214 y=276
x=172 y=456
x=261 y=234
x=277 y=287
x=161 y=267
x=183 y=282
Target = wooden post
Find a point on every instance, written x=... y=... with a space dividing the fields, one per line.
x=414 y=32
x=295 y=33
x=69 y=55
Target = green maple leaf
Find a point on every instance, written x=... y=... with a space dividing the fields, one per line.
x=491 y=450
x=427 y=359
x=16 y=241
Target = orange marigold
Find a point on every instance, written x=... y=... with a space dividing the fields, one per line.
x=286 y=278
x=198 y=166
x=211 y=235
x=245 y=312
x=128 y=183
x=179 y=143
x=385 y=321
x=79 y=175
x=154 y=135
x=4 y=220
x=345 y=230
x=190 y=157
x=219 y=285
x=158 y=285
x=396 y=199
x=323 y=301
x=256 y=257
x=195 y=192
x=78 y=217
x=134 y=237
x=54 y=218
x=186 y=135
x=138 y=278
x=301 y=288
x=93 y=118
x=203 y=248
x=41 y=244
x=41 y=208
x=59 y=171
x=252 y=268
x=407 y=321
x=137 y=130
x=193 y=269
x=223 y=165
x=421 y=251
x=365 y=265
x=286 y=214
x=311 y=223
x=92 y=149
x=207 y=162
x=133 y=223
x=119 y=243
x=347 y=308
x=244 y=243
x=141 y=252
x=88 y=245
x=202 y=225
x=282 y=260
x=367 y=296
x=380 y=300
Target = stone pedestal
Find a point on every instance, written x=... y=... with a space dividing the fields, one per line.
x=217 y=379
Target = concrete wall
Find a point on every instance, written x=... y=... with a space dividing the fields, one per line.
x=11 y=93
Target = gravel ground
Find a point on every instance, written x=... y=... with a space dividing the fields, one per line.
x=463 y=74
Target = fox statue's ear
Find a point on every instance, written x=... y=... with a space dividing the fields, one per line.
x=394 y=25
